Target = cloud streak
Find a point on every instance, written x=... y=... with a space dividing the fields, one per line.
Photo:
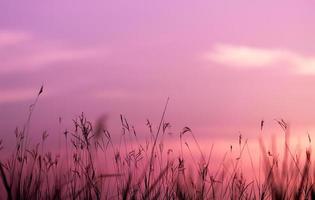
x=122 y=94
x=17 y=95
x=11 y=38
x=36 y=60
x=29 y=53
x=253 y=57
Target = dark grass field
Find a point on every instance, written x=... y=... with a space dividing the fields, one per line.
x=146 y=170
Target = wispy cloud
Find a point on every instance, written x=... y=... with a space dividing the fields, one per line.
x=255 y=57
x=8 y=38
x=124 y=94
x=36 y=60
x=16 y=95
x=28 y=52
x=118 y=94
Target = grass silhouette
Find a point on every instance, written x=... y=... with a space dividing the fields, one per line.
x=146 y=171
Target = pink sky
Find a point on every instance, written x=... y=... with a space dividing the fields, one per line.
x=224 y=64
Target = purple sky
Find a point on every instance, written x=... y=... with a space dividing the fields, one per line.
x=224 y=64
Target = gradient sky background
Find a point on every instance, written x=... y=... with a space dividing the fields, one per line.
x=224 y=64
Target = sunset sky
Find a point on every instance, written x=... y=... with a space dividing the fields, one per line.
x=225 y=64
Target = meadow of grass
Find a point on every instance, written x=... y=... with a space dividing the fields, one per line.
x=93 y=166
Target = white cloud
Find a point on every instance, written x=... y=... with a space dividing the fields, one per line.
x=254 y=57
